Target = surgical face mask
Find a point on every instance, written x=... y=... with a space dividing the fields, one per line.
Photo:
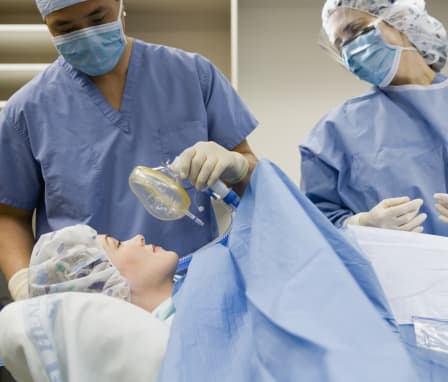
x=371 y=58
x=95 y=50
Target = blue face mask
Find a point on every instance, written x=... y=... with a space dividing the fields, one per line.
x=372 y=59
x=95 y=50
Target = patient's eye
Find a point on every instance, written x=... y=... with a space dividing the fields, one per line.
x=112 y=241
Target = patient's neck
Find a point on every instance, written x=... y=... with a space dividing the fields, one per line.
x=151 y=299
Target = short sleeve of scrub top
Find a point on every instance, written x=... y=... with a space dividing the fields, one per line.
x=20 y=183
x=229 y=120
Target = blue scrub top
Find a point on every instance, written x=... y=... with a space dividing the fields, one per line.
x=387 y=143
x=66 y=151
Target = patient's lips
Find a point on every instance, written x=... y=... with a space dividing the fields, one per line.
x=156 y=248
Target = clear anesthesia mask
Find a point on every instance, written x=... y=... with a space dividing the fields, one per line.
x=161 y=193
x=163 y=196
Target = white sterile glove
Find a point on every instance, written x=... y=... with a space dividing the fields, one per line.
x=442 y=206
x=395 y=213
x=206 y=162
x=18 y=285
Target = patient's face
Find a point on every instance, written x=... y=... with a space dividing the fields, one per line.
x=144 y=266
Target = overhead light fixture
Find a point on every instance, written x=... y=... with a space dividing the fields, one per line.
x=23 y=67
x=23 y=28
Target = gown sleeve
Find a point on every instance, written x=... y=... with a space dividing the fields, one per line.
x=20 y=175
x=323 y=165
x=228 y=118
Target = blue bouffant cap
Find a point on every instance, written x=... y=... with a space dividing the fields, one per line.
x=48 y=6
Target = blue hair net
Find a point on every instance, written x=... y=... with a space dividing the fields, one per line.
x=48 y=6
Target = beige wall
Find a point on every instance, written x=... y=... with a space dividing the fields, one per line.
x=286 y=79
x=205 y=32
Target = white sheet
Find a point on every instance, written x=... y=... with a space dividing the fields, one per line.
x=92 y=337
x=412 y=269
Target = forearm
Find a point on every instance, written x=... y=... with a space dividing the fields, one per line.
x=244 y=149
x=16 y=241
x=241 y=186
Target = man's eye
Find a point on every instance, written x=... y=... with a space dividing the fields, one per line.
x=66 y=31
x=98 y=21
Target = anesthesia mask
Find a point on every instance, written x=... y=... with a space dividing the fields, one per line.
x=163 y=196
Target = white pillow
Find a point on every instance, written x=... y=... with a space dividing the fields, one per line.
x=92 y=337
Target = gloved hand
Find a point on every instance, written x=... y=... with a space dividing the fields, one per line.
x=206 y=162
x=395 y=213
x=442 y=206
x=18 y=285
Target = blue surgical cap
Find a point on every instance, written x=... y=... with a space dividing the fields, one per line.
x=48 y=6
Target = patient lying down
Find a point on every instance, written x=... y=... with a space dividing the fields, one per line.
x=77 y=259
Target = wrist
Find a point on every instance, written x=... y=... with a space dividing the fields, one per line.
x=363 y=219
x=242 y=166
x=358 y=219
x=18 y=285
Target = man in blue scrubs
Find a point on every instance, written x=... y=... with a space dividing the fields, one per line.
x=70 y=137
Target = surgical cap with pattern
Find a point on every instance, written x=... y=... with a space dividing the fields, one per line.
x=73 y=260
x=410 y=17
x=48 y=6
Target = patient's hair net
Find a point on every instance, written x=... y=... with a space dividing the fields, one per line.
x=409 y=17
x=48 y=6
x=73 y=260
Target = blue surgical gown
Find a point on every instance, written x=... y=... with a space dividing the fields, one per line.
x=66 y=151
x=387 y=143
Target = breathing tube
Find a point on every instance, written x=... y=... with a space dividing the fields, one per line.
x=218 y=191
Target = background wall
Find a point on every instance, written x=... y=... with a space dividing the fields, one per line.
x=287 y=80
x=193 y=25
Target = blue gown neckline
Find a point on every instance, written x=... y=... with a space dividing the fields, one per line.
x=118 y=118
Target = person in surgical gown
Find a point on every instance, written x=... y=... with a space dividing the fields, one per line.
x=70 y=137
x=380 y=159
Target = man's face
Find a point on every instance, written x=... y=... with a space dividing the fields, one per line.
x=82 y=15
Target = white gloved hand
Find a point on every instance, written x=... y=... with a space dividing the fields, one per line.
x=442 y=206
x=395 y=213
x=18 y=285
x=206 y=162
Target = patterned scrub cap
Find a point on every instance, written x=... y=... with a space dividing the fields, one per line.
x=73 y=260
x=409 y=17
x=48 y=6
